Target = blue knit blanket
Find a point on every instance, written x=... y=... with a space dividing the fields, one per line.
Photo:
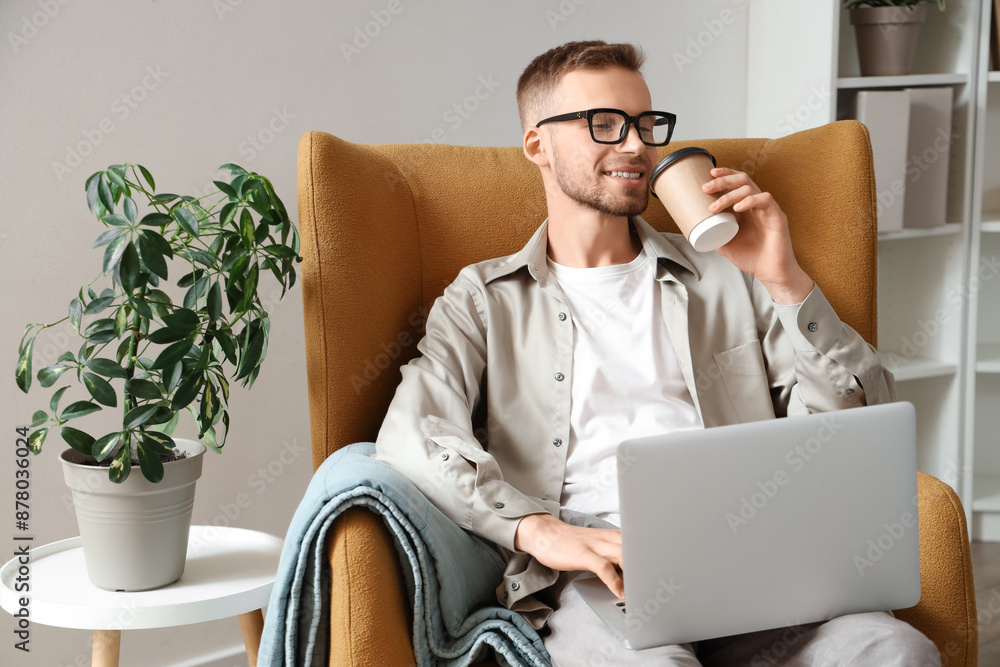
x=455 y=614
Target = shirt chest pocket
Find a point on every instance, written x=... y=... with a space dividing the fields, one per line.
x=744 y=376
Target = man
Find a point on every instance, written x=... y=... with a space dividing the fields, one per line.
x=599 y=327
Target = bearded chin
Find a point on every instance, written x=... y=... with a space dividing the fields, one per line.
x=630 y=202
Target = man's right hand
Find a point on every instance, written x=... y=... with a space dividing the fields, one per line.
x=561 y=546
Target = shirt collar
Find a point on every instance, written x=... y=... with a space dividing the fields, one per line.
x=532 y=255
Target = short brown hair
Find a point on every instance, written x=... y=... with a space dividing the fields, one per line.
x=545 y=72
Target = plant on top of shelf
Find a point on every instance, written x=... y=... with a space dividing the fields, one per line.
x=887 y=32
x=151 y=355
x=853 y=4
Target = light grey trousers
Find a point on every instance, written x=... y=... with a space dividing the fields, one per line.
x=577 y=637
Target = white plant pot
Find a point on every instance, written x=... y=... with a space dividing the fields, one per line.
x=134 y=534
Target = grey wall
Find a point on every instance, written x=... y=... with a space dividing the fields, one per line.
x=187 y=85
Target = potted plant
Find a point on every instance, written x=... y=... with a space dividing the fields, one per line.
x=153 y=349
x=887 y=33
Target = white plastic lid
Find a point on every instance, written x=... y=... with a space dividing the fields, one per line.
x=714 y=232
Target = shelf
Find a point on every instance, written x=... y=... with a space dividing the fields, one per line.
x=916 y=368
x=949 y=228
x=988 y=358
x=986 y=493
x=991 y=222
x=909 y=80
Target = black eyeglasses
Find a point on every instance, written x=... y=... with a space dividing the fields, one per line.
x=610 y=126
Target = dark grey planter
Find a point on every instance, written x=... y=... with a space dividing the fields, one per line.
x=887 y=38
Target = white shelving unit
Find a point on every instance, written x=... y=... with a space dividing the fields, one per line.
x=939 y=306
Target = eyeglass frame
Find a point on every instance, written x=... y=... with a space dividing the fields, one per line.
x=589 y=114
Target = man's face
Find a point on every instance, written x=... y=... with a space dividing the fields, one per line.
x=590 y=173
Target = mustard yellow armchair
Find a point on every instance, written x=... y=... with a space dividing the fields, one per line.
x=386 y=228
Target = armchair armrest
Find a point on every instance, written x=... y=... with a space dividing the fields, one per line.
x=946 y=612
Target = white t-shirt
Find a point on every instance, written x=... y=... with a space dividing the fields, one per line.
x=627 y=382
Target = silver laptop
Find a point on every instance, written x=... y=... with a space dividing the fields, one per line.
x=764 y=525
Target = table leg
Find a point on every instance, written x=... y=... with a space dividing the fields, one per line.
x=252 y=625
x=107 y=645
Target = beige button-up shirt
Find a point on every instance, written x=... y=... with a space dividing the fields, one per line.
x=480 y=421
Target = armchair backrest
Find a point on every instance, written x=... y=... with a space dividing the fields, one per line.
x=385 y=228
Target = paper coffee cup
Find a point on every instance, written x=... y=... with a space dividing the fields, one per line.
x=677 y=181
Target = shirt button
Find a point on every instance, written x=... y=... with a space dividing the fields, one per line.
x=813 y=326
x=514 y=585
x=444 y=457
x=498 y=505
x=562 y=316
x=849 y=391
x=557 y=441
x=560 y=377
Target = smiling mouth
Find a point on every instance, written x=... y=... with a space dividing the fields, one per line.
x=626 y=175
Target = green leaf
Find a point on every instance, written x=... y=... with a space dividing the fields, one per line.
x=152 y=256
x=164 y=198
x=159 y=302
x=79 y=409
x=128 y=204
x=105 y=445
x=187 y=392
x=171 y=376
x=23 y=373
x=183 y=319
x=100 y=389
x=168 y=427
x=104 y=193
x=253 y=353
x=39 y=418
x=148 y=176
x=92 y=184
x=113 y=253
x=115 y=220
x=246 y=228
x=121 y=465
x=36 y=439
x=166 y=335
x=54 y=401
x=116 y=177
x=130 y=273
x=143 y=389
x=121 y=321
x=138 y=416
x=229 y=263
x=210 y=406
x=48 y=375
x=281 y=251
x=227 y=345
x=155 y=219
x=172 y=354
x=228 y=214
x=233 y=168
x=212 y=440
x=109 y=235
x=186 y=220
x=226 y=189
x=106 y=367
x=159 y=443
x=249 y=288
x=100 y=331
x=215 y=302
x=98 y=304
x=75 y=313
x=77 y=439
x=149 y=462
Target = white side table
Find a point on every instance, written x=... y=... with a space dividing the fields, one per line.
x=229 y=572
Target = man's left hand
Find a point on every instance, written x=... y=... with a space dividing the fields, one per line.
x=762 y=247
